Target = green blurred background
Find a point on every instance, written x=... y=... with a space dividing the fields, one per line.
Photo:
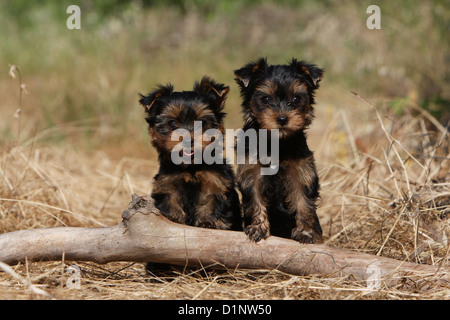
x=82 y=85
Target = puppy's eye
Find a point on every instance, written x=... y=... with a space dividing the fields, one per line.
x=172 y=124
x=296 y=99
x=265 y=99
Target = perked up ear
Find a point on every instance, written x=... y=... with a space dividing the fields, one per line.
x=148 y=100
x=245 y=74
x=215 y=92
x=311 y=71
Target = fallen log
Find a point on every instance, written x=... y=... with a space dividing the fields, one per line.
x=144 y=235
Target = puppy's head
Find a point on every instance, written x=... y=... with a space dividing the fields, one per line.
x=168 y=111
x=279 y=96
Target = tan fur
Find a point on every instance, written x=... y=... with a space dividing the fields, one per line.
x=167 y=185
x=248 y=177
x=301 y=174
x=213 y=185
x=267 y=87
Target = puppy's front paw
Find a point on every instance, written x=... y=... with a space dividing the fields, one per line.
x=306 y=236
x=257 y=232
x=206 y=224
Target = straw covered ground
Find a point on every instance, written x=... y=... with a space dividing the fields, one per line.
x=385 y=191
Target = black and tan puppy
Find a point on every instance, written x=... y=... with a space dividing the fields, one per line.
x=282 y=204
x=191 y=192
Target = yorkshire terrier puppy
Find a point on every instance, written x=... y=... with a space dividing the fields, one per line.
x=283 y=204
x=191 y=192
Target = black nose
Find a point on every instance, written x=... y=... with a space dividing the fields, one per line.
x=282 y=120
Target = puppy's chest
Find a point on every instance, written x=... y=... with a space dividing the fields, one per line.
x=193 y=188
x=208 y=181
x=188 y=186
x=188 y=189
x=290 y=173
x=189 y=180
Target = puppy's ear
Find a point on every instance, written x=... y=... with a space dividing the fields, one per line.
x=216 y=93
x=310 y=71
x=247 y=73
x=148 y=100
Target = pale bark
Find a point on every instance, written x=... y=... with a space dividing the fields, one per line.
x=145 y=235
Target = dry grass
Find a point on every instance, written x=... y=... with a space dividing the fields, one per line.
x=385 y=191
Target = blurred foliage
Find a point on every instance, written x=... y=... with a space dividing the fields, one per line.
x=92 y=76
